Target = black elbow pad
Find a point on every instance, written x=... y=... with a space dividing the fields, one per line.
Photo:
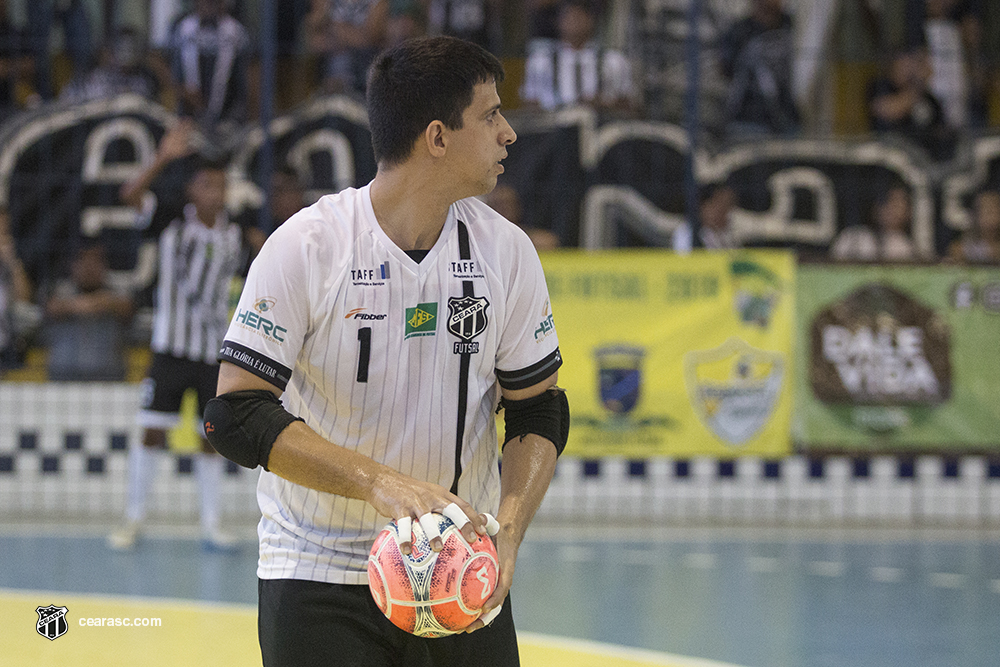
x=546 y=415
x=243 y=425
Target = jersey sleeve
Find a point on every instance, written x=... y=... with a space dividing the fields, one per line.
x=272 y=317
x=529 y=347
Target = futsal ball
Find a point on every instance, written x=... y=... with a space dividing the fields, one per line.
x=432 y=594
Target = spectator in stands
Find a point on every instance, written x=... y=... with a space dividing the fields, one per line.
x=890 y=243
x=199 y=253
x=504 y=200
x=756 y=57
x=86 y=329
x=657 y=42
x=901 y=103
x=406 y=20
x=981 y=243
x=473 y=20
x=16 y=64
x=716 y=203
x=953 y=33
x=286 y=197
x=209 y=56
x=72 y=14
x=576 y=69
x=15 y=287
x=122 y=67
x=542 y=17
x=347 y=34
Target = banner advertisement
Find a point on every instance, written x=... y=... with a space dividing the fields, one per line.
x=674 y=355
x=898 y=358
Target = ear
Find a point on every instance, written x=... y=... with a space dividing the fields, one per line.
x=435 y=140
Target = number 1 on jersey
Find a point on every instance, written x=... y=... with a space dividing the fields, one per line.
x=365 y=338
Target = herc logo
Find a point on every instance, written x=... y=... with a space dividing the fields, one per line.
x=264 y=305
x=261 y=324
x=734 y=388
x=51 y=621
x=421 y=320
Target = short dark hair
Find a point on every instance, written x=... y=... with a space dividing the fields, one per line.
x=420 y=81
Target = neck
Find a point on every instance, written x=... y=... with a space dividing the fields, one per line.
x=410 y=205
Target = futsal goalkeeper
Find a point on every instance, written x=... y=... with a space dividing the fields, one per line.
x=375 y=335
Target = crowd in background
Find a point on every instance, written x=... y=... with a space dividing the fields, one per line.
x=765 y=68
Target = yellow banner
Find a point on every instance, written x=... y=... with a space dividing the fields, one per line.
x=675 y=355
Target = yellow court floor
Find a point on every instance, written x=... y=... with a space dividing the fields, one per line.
x=190 y=632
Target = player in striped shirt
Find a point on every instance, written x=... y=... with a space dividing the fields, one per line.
x=377 y=332
x=199 y=252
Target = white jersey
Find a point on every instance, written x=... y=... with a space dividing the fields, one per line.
x=197 y=264
x=392 y=358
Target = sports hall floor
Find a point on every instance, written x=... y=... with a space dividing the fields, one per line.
x=583 y=596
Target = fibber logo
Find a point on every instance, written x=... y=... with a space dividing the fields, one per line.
x=360 y=314
x=421 y=320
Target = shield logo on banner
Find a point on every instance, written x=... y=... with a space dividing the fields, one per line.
x=52 y=621
x=467 y=316
x=619 y=369
x=734 y=388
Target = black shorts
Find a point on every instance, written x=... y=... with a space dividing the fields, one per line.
x=168 y=378
x=313 y=623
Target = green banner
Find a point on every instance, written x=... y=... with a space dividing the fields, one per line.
x=897 y=358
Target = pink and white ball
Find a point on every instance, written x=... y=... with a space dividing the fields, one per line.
x=432 y=594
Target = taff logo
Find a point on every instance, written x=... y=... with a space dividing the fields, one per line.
x=756 y=292
x=51 y=621
x=264 y=304
x=619 y=369
x=734 y=388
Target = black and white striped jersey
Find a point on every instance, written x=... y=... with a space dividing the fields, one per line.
x=196 y=266
x=398 y=360
x=558 y=75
